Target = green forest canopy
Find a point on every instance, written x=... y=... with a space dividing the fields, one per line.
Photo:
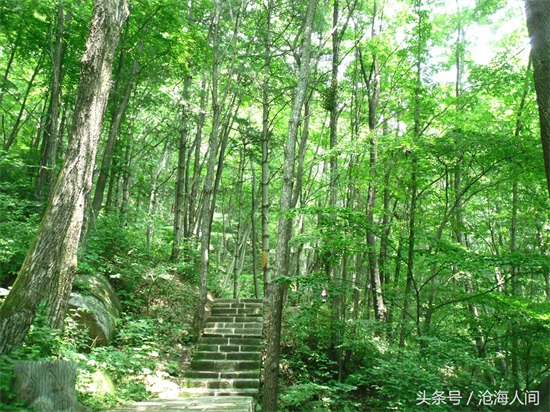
x=419 y=202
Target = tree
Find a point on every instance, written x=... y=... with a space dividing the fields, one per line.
x=46 y=172
x=538 y=24
x=48 y=270
x=284 y=233
x=179 y=217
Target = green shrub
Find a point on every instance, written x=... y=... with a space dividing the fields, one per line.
x=18 y=224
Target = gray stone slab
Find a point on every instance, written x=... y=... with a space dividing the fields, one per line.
x=203 y=403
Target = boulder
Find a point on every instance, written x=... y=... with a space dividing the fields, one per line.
x=97 y=307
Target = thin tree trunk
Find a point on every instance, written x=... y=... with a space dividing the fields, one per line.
x=50 y=264
x=265 y=150
x=153 y=194
x=119 y=110
x=254 y=234
x=332 y=268
x=197 y=167
x=46 y=170
x=17 y=124
x=207 y=204
x=277 y=290
x=373 y=89
x=15 y=45
x=240 y=221
x=513 y=243
x=182 y=167
x=126 y=176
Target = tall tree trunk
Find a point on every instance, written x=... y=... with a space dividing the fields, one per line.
x=538 y=25
x=277 y=289
x=237 y=250
x=17 y=125
x=333 y=105
x=48 y=270
x=207 y=204
x=372 y=80
x=410 y=281
x=119 y=110
x=46 y=170
x=333 y=269
x=515 y=370
x=254 y=235
x=153 y=194
x=515 y=290
x=182 y=167
x=265 y=149
x=218 y=142
x=191 y=211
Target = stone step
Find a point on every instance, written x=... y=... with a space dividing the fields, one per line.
x=230 y=340
x=241 y=318
x=229 y=324
x=237 y=303
x=222 y=374
x=220 y=392
x=205 y=347
x=227 y=355
x=222 y=311
x=228 y=358
x=225 y=365
x=233 y=332
x=211 y=383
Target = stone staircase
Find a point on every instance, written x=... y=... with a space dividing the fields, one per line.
x=225 y=372
x=228 y=357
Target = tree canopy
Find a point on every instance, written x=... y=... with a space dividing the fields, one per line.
x=373 y=169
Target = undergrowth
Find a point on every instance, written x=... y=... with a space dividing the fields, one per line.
x=147 y=354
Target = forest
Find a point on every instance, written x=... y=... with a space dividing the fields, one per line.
x=372 y=169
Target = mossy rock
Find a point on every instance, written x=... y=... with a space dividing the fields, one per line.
x=97 y=307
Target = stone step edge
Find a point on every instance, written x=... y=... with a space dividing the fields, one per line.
x=225 y=324
x=220 y=392
x=210 y=334
x=253 y=331
x=213 y=383
x=217 y=375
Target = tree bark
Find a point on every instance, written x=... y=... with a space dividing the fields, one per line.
x=47 y=386
x=277 y=289
x=48 y=270
x=538 y=25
